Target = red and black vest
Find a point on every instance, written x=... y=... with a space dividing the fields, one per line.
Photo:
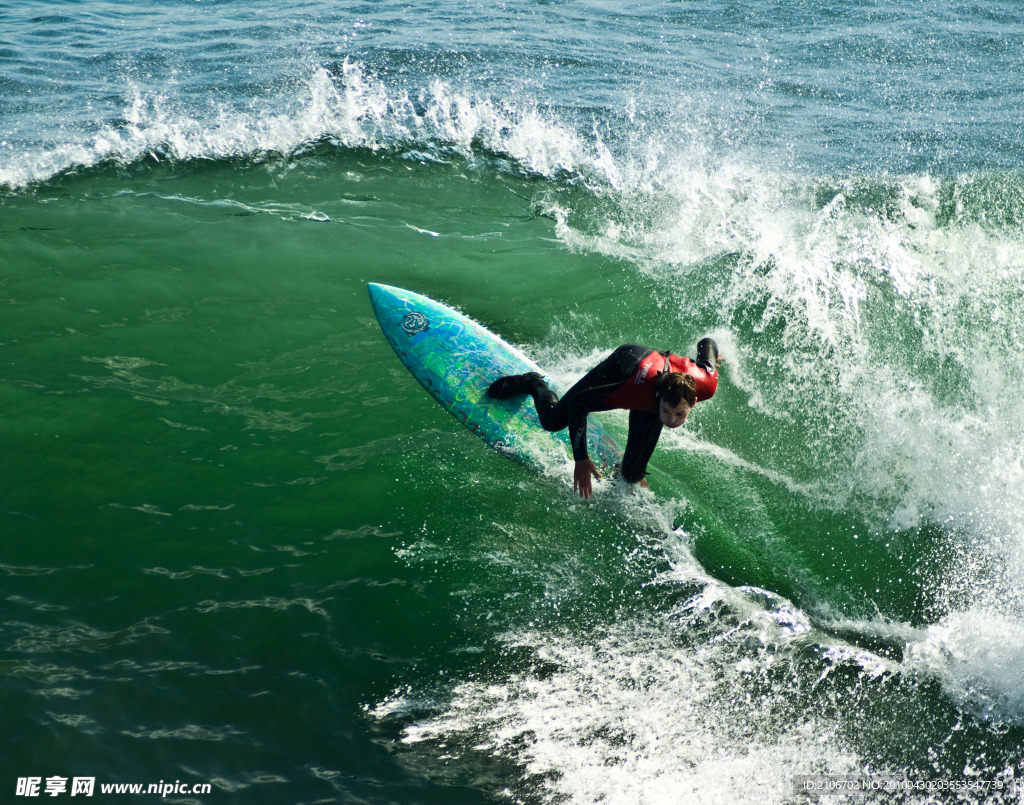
x=637 y=393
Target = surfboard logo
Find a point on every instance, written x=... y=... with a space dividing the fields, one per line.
x=413 y=323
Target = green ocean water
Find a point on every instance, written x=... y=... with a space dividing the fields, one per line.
x=240 y=547
x=243 y=547
x=203 y=423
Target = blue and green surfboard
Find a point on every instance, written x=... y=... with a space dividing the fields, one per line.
x=456 y=359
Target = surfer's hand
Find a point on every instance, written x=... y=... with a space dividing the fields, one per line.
x=583 y=478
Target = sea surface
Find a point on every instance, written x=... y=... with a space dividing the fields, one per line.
x=245 y=555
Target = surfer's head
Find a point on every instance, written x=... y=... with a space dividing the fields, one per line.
x=676 y=394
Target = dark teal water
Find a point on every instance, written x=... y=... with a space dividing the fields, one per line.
x=242 y=547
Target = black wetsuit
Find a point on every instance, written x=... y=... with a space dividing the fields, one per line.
x=591 y=393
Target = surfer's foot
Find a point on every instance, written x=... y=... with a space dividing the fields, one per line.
x=513 y=385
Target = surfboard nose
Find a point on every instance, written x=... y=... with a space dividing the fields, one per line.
x=379 y=294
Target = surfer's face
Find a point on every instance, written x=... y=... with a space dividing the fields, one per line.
x=674 y=416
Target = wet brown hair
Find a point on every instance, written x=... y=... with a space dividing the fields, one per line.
x=676 y=387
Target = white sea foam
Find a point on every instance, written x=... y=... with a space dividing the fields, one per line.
x=348 y=106
x=637 y=714
x=978 y=657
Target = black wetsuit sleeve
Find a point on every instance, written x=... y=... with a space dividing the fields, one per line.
x=579 y=407
x=644 y=430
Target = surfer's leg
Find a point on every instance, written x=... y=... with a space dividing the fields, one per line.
x=551 y=417
x=644 y=430
x=589 y=391
x=587 y=394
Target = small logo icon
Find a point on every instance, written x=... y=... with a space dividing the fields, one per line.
x=414 y=323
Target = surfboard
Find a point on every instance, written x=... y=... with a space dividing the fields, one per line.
x=456 y=359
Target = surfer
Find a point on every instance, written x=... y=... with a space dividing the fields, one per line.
x=657 y=388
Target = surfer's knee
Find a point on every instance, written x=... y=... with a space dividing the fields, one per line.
x=545 y=401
